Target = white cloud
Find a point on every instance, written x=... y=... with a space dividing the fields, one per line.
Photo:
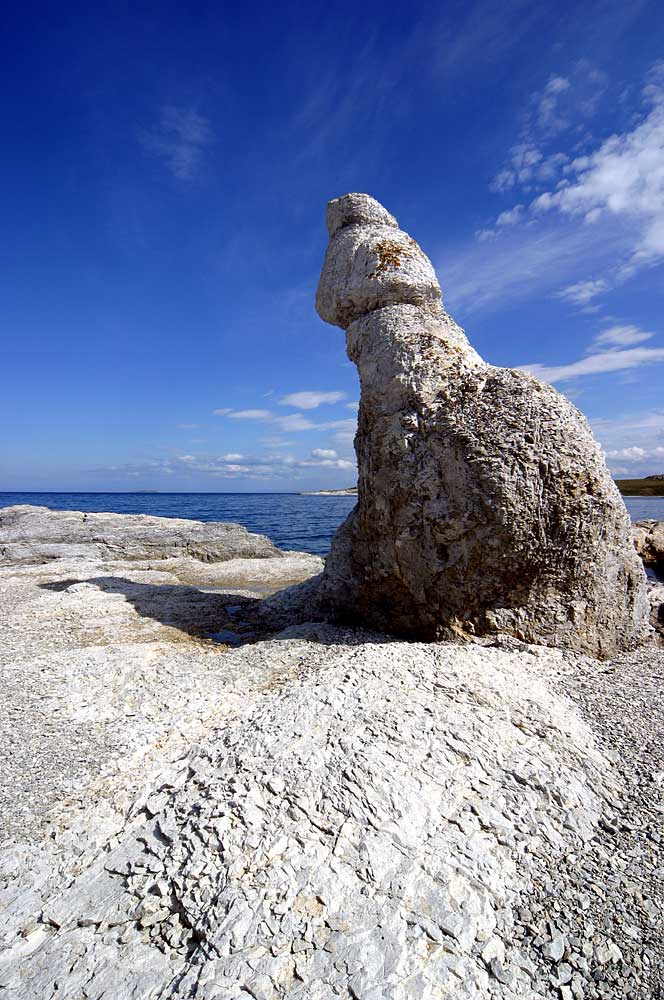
x=583 y=292
x=288 y=424
x=633 y=442
x=561 y=106
x=633 y=454
x=274 y=441
x=597 y=364
x=344 y=430
x=329 y=463
x=294 y=422
x=547 y=107
x=247 y=414
x=231 y=466
x=223 y=412
x=352 y=406
x=607 y=208
x=179 y=139
x=528 y=167
x=310 y=400
x=621 y=336
x=623 y=179
x=524 y=158
x=510 y=217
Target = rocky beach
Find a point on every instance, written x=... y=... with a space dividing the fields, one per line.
x=429 y=766
x=320 y=811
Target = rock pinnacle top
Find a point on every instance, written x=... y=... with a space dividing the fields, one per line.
x=357 y=210
x=370 y=263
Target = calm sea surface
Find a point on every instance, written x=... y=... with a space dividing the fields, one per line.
x=290 y=520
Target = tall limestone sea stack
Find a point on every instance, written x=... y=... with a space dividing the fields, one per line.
x=484 y=503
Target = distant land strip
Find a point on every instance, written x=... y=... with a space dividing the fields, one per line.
x=651 y=486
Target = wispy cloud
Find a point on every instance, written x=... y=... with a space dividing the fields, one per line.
x=522 y=262
x=621 y=336
x=233 y=466
x=309 y=400
x=274 y=441
x=564 y=103
x=179 y=140
x=293 y=422
x=548 y=105
x=187 y=427
x=290 y=423
x=623 y=179
x=245 y=414
x=605 y=208
x=598 y=363
x=582 y=292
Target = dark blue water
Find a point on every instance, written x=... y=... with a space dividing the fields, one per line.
x=290 y=520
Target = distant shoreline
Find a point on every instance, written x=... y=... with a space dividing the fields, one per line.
x=648 y=487
x=350 y=492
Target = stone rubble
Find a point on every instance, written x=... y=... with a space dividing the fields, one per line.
x=605 y=903
x=484 y=503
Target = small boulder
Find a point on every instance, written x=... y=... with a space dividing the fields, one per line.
x=648 y=538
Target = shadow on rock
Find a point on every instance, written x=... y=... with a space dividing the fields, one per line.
x=197 y=612
x=227 y=618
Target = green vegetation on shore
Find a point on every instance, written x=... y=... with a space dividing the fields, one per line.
x=651 y=486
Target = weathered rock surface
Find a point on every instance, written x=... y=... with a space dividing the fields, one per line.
x=649 y=542
x=327 y=813
x=107 y=665
x=375 y=824
x=484 y=504
x=656 y=599
x=37 y=534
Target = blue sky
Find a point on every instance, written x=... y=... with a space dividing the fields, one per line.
x=165 y=174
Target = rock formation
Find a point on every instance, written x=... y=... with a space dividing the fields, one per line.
x=649 y=542
x=484 y=504
x=648 y=537
x=37 y=534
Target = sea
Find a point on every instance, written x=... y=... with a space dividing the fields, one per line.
x=291 y=520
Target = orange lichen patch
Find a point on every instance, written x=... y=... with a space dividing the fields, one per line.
x=390 y=254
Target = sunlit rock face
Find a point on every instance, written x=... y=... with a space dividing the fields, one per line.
x=484 y=503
